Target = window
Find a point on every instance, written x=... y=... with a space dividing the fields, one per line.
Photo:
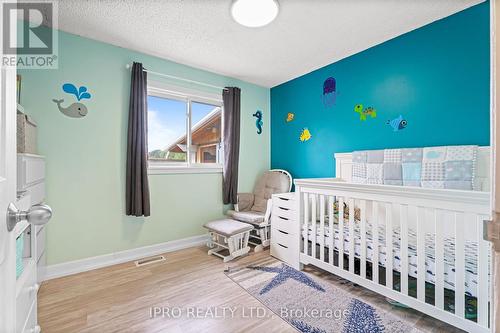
x=184 y=131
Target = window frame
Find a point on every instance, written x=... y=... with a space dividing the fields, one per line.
x=162 y=90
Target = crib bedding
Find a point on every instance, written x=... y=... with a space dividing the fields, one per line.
x=451 y=167
x=449 y=252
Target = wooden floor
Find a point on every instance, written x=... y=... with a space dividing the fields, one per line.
x=120 y=298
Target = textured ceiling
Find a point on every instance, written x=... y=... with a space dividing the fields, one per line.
x=307 y=34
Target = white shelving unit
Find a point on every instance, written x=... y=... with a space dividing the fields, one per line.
x=284 y=229
x=31 y=189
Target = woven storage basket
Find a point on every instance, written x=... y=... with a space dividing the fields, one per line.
x=26 y=134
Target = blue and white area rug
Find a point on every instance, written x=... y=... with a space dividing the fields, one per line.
x=312 y=305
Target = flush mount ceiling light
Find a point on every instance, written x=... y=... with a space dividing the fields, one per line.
x=254 y=13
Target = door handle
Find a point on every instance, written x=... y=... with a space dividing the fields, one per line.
x=36 y=215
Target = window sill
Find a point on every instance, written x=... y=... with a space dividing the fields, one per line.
x=169 y=170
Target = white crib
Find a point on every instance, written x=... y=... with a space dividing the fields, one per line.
x=421 y=247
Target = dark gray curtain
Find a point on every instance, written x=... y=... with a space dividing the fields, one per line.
x=231 y=98
x=137 y=187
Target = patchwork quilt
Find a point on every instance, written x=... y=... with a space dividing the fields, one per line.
x=450 y=167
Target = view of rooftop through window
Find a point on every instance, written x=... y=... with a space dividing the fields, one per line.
x=167 y=124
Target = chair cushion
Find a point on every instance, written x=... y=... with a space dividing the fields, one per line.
x=269 y=183
x=228 y=227
x=248 y=216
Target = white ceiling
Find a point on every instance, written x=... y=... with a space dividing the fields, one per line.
x=307 y=34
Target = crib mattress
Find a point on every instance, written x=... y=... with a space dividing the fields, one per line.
x=430 y=276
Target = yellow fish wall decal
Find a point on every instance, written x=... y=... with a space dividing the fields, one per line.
x=289 y=117
x=305 y=135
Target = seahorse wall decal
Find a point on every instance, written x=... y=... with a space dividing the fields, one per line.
x=258 y=122
x=75 y=110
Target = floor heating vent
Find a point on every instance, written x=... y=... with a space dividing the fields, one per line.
x=148 y=261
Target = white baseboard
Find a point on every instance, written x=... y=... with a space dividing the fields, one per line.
x=87 y=264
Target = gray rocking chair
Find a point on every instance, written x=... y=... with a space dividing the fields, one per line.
x=255 y=208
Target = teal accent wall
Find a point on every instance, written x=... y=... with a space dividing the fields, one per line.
x=86 y=157
x=437 y=77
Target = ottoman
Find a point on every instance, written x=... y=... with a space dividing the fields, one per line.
x=231 y=235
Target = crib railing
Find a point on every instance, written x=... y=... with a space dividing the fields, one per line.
x=420 y=247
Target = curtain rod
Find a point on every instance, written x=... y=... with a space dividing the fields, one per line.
x=128 y=66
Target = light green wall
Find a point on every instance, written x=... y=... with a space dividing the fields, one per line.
x=85 y=174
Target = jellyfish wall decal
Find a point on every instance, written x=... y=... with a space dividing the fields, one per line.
x=329 y=92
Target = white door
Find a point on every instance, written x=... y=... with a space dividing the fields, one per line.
x=7 y=195
x=494 y=228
